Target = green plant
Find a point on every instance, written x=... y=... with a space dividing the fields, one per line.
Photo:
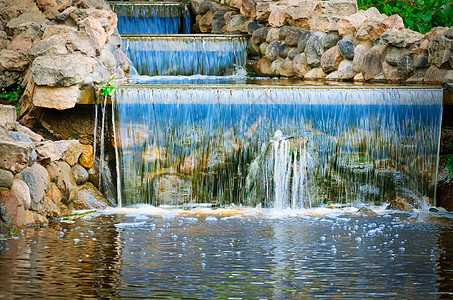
x=418 y=15
x=106 y=88
x=449 y=167
x=12 y=95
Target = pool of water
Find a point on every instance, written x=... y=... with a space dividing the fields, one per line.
x=233 y=253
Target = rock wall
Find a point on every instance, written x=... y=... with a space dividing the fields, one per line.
x=316 y=40
x=41 y=180
x=57 y=49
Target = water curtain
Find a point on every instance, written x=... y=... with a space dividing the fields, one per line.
x=278 y=147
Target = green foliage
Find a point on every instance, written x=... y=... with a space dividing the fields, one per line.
x=12 y=95
x=106 y=88
x=418 y=15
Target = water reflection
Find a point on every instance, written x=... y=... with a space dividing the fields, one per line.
x=199 y=254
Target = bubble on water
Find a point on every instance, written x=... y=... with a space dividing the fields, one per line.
x=76 y=240
x=402 y=249
x=80 y=260
x=203 y=254
x=211 y=219
x=82 y=234
x=333 y=249
x=323 y=238
x=358 y=239
x=94 y=239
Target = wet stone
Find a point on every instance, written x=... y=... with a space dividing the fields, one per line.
x=346 y=49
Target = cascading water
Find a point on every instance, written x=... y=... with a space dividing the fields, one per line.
x=186 y=54
x=285 y=147
x=152 y=17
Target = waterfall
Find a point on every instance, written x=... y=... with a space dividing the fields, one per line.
x=186 y=54
x=276 y=146
x=152 y=17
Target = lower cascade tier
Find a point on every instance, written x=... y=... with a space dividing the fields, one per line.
x=276 y=147
x=186 y=54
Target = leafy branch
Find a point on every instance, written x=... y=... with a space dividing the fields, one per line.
x=106 y=88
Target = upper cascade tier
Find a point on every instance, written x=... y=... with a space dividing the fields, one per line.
x=152 y=17
x=186 y=54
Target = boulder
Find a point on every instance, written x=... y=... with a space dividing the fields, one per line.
x=372 y=63
x=434 y=75
x=88 y=197
x=300 y=65
x=401 y=205
x=21 y=43
x=38 y=181
x=421 y=61
x=359 y=54
x=13 y=60
x=330 y=40
x=6 y=178
x=315 y=74
x=277 y=17
x=290 y=35
x=8 y=117
x=12 y=211
x=66 y=183
x=29 y=22
x=405 y=66
x=86 y=158
x=8 y=78
x=238 y=24
x=283 y=50
x=350 y=24
x=286 y=68
x=263 y=48
x=34 y=137
x=399 y=38
x=366 y=211
x=292 y=53
x=21 y=137
x=259 y=35
x=393 y=55
x=96 y=30
x=80 y=174
x=417 y=78
x=272 y=51
x=22 y=192
x=54 y=45
x=346 y=49
x=50 y=151
x=252 y=27
x=248 y=8
x=449 y=33
x=330 y=60
x=272 y=35
x=275 y=66
x=314 y=50
x=440 y=50
x=345 y=70
x=303 y=39
x=62 y=70
x=14 y=156
x=205 y=22
x=332 y=76
x=263 y=67
x=56 y=97
x=218 y=22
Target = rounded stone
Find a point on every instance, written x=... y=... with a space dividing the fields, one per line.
x=272 y=51
x=292 y=53
x=346 y=49
x=80 y=174
x=314 y=49
x=22 y=192
x=252 y=27
x=6 y=178
x=330 y=40
x=292 y=37
x=259 y=35
x=37 y=180
x=283 y=50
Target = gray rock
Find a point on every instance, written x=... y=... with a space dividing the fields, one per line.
x=330 y=40
x=275 y=66
x=418 y=77
x=22 y=192
x=272 y=35
x=237 y=24
x=203 y=8
x=449 y=33
x=283 y=50
x=440 y=51
x=399 y=38
x=37 y=180
x=54 y=45
x=263 y=48
x=303 y=39
x=80 y=174
x=30 y=22
x=405 y=66
x=272 y=51
x=14 y=156
x=345 y=70
x=66 y=183
x=67 y=150
x=286 y=68
x=292 y=53
x=8 y=117
x=300 y=65
x=49 y=209
x=8 y=78
x=62 y=70
x=314 y=50
x=330 y=60
x=359 y=54
x=346 y=49
x=6 y=178
x=90 y=198
x=218 y=21
x=214 y=6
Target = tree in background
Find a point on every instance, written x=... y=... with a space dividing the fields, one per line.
x=418 y=15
